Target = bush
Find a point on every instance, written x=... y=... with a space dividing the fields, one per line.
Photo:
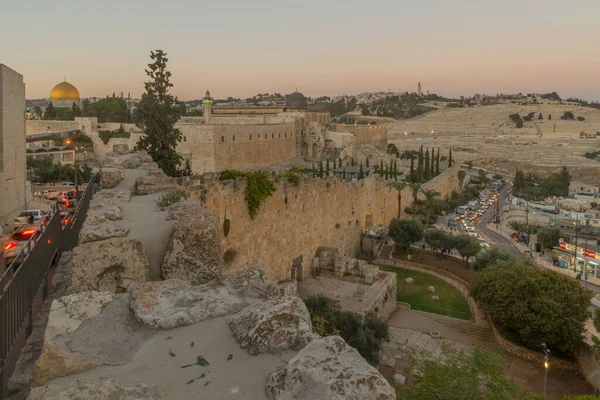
x=105 y=136
x=291 y=177
x=533 y=305
x=493 y=258
x=568 y=115
x=229 y=256
x=364 y=335
x=172 y=197
x=580 y=118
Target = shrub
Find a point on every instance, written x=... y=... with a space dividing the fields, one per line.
x=317 y=305
x=580 y=118
x=105 y=136
x=567 y=115
x=291 y=177
x=229 y=256
x=172 y=197
x=533 y=305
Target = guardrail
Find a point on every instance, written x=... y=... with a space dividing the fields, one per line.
x=20 y=284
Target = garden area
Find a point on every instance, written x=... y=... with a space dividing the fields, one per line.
x=451 y=302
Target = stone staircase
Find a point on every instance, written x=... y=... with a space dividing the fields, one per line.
x=478 y=331
x=386 y=252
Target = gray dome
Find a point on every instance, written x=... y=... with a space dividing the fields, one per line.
x=296 y=100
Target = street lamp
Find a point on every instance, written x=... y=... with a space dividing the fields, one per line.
x=546 y=351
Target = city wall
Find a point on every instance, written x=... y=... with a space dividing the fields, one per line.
x=33 y=127
x=296 y=220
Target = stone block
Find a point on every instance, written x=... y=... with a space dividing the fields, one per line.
x=409 y=280
x=398 y=379
x=435 y=298
x=431 y=289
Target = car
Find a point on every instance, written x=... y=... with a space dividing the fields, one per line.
x=52 y=194
x=483 y=243
x=65 y=217
x=18 y=242
x=67 y=184
x=31 y=217
x=474 y=234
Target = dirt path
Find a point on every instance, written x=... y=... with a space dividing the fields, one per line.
x=146 y=222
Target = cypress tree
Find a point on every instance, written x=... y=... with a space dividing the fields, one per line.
x=367 y=162
x=420 y=165
x=314 y=172
x=386 y=172
x=395 y=170
x=327 y=169
x=432 y=163
x=381 y=167
x=450 y=159
x=320 y=169
x=437 y=163
x=427 y=176
x=412 y=170
x=340 y=163
x=344 y=174
x=360 y=172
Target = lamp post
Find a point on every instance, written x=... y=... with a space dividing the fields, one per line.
x=546 y=351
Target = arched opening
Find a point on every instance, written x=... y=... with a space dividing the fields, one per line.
x=315 y=150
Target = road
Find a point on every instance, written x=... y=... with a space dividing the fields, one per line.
x=506 y=244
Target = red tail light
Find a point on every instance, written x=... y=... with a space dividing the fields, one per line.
x=66 y=221
x=10 y=246
x=67 y=203
x=28 y=232
x=43 y=223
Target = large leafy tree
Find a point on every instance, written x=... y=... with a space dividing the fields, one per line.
x=549 y=238
x=110 y=109
x=405 y=232
x=157 y=112
x=50 y=112
x=430 y=202
x=537 y=306
x=440 y=240
x=494 y=258
x=467 y=247
x=478 y=375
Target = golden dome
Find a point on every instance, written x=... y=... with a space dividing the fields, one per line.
x=64 y=90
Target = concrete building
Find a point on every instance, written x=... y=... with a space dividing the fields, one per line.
x=583 y=188
x=12 y=144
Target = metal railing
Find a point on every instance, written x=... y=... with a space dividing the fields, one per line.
x=22 y=280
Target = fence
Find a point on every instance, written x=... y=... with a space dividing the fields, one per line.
x=20 y=284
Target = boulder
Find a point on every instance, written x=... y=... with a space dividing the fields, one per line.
x=104 y=388
x=431 y=289
x=91 y=232
x=156 y=181
x=101 y=212
x=409 y=280
x=112 y=160
x=273 y=325
x=398 y=379
x=110 y=177
x=173 y=303
x=66 y=315
x=183 y=209
x=193 y=253
x=132 y=162
x=120 y=149
x=251 y=281
x=435 y=298
x=145 y=159
x=328 y=368
x=112 y=196
x=112 y=265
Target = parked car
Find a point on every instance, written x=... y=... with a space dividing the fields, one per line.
x=67 y=184
x=52 y=194
x=31 y=217
x=18 y=242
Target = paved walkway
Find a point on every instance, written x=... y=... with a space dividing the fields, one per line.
x=146 y=221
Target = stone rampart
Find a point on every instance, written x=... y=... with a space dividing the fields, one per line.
x=33 y=127
x=296 y=220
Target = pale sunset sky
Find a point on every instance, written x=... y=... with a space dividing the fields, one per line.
x=240 y=48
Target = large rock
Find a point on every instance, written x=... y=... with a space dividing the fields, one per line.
x=110 y=177
x=251 y=281
x=102 y=389
x=173 y=303
x=91 y=232
x=112 y=196
x=273 y=325
x=328 y=369
x=156 y=181
x=193 y=253
x=66 y=315
x=112 y=265
x=183 y=209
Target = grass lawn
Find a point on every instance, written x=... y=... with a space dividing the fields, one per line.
x=451 y=303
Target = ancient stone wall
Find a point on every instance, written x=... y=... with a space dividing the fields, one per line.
x=33 y=127
x=297 y=220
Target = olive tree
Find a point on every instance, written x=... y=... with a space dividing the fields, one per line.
x=405 y=232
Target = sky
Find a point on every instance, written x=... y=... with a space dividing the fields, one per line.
x=240 y=48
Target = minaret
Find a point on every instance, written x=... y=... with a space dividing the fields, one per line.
x=207 y=104
x=419 y=88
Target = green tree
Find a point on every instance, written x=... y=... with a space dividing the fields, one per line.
x=75 y=111
x=340 y=163
x=416 y=188
x=549 y=117
x=432 y=169
x=327 y=169
x=395 y=170
x=320 y=169
x=405 y=232
x=386 y=173
x=427 y=173
x=420 y=165
x=567 y=115
x=399 y=186
x=412 y=170
x=437 y=163
x=157 y=112
x=540 y=116
x=430 y=202
x=361 y=174
x=37 y=111
x=535 y=305
x=367 y=162
x=494 y=258
x=519 y=181
x=478 y=375
x=450 y=158
x=549 y=238
x=314 y=173
x=50 y=112
x=467 y=246
x=381 y=167
x=114 y=109
x=440 y=240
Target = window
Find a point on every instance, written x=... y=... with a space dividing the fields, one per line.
x=222 y=138
x=234 y=138
x=280 y=136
